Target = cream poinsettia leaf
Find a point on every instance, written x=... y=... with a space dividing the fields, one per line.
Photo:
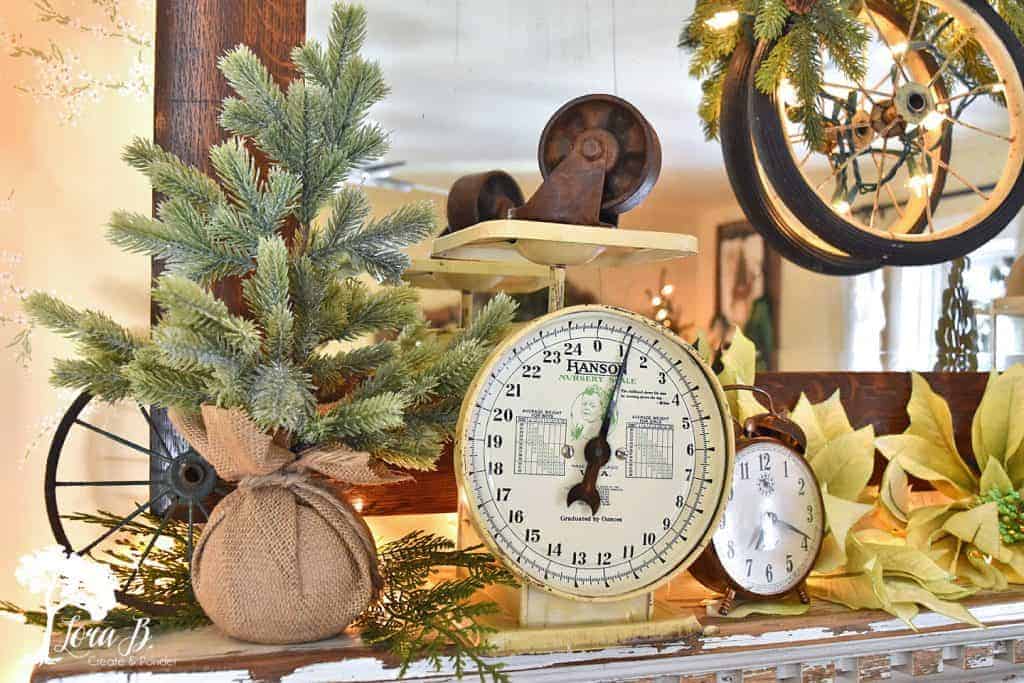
x=831 y=557
x=842 y=515
x=875 y=535
x=739 y=365
x=995 y=477
x=832 y=417
x=702 y=347
x=785 y=608
x=903 y=590
x=980 y=572
x=804 y=415
x=845 y=463
x=1000 y=430
x=929 y=415
x=979 y=527
x=856 y=590
x=740 y=359
x=905 y=561
x=949 y=590
x=923 y=522
x=1015 y=468
x=905 y=612
x=928 y=460
x=894 y=491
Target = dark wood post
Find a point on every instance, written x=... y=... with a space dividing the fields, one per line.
x=191 y=35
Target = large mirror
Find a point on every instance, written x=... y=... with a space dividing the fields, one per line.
x=473 y=83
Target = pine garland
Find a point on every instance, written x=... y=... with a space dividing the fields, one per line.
x=799 y=31
x=280 y=363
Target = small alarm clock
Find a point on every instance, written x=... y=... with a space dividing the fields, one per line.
x=769 y=538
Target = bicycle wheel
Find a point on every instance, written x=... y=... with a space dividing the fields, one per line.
x=763 y=209
x=929 y=94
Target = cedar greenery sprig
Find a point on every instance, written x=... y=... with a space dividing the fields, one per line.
x=796 y=55
x=435 y=622
x=281 y=363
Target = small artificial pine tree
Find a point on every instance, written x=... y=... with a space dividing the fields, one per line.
x=397 y=398
x=957 y=331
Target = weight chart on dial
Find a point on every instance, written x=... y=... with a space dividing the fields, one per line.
x=650 y=451
x=539 y=443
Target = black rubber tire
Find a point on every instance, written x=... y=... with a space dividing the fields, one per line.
x=801 y=199
x=745 y=178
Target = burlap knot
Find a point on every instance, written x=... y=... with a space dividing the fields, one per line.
x=282 y=559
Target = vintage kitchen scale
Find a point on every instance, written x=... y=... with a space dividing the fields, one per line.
x=594 y=448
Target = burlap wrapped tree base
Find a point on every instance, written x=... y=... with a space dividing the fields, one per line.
x=282 y=559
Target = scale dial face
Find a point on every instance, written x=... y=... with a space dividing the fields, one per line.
x=522 y=433
x=772 y=530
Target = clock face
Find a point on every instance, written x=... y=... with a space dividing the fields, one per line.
x=772 y=529
x=522 y=443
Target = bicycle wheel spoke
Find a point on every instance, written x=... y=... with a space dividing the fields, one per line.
x=895 y=58
x=927 y=189
x=138 y=511
x=189 y=545
x=913 y=23
x=145 y=553
x=949 y=60
x=803 y=162
x=895 y=201
x=160 y=437
x=206 y=515
x=121 y=440
x=978 y=129
x=145 y=482
x=963 y=180
x=980 y=90
x=860 y=87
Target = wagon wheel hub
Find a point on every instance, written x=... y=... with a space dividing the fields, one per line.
x=190 y=478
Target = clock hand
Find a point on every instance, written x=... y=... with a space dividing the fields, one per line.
x=597 y=451
x=756 y=538
x=792 y=528
x=606 y=422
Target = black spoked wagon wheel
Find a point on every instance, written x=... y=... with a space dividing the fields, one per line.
x=100 y=459
x=922 y=160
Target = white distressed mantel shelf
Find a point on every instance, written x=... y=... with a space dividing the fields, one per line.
x=828 y=643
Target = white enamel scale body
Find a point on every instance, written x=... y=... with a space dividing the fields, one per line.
x=520 y=447
x=772 y=530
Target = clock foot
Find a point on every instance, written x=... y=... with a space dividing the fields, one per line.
x=801 y=592
x=726 y=604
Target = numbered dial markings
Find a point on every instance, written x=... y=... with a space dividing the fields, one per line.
x=532 y=410
x=773 y=526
